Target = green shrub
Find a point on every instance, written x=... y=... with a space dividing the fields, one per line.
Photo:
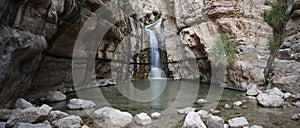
x=277 y=16
x=274 y=43
x=81 y=3
x=222 y=51
x=157 y=16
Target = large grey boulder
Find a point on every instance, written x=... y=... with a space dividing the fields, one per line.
x=68 y=122
x=193 y=120
x=238 y=122
x=215 y=122
x=253 y=91
x=270 y=100
x=22 y=103
x=142 y=119
x=296 y=116
x=55 y=96
x=75 y=104
x=30 y=115
x=111 y=117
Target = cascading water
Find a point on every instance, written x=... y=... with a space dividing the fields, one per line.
x=154 y=54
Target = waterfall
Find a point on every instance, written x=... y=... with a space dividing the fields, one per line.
x=154 y=53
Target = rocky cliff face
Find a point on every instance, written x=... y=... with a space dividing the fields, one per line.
x=200 y=23
x=285 y=73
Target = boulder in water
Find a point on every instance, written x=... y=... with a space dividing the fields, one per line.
x=75 y=104
x=142 y=119
x=193 y=120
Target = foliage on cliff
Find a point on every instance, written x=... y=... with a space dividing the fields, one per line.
x=222 y=51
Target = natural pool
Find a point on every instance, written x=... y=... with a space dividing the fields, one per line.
x=177 y=95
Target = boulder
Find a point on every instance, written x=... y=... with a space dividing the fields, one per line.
x=155 y=115
x=215 y=122
x=201 y=101
x=142 y=119
x=193 y=120
x=253 y=91
x=270 y=100
x=29 y=115
x=297 y=104
x=203 y=114
x=238 y=103
x=275 y=91
x=45 y=108
x=55 y=115
x=29 y=125
x=55 y=96
x=296 y=116
x=287 y=95
x=75 y=104
x=2 y=124
x=186 y=110
x=238 y=122
x=68 y=122
x=22 y=103
x=113 y=117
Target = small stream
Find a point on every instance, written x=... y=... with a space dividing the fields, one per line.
x=176 y=95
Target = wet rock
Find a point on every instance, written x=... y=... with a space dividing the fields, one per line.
x=22 y=103
x=155 y=115
x=227 y=106
x=213 y=111
x=270 y=100
x=55 y=96
x=287 y=95
x=238 y=103
x=226 y=125
x=55 y=115
x=296 y=116
x=103 y=112
x=256 y=126
x=215 y=122
x=193 y=120
x=75 y=104
x=186 y=110
x=142 y=119
x=68 y=122
x=238 y=122
x=29 y=115
x=201 y=101
x=203 y=114
x=253 y=91
x=113 y=117
x=297 y=104
x=29 y=125
x=275 y=91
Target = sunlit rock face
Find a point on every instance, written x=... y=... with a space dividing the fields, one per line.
x=286 y=65
x=199 y=23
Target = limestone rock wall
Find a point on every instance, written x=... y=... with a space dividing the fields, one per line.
x=286 y=65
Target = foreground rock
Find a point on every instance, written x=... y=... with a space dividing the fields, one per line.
x=270 y=100
x=297 y=104
x=28 y=125
x=238 y=122
x=55 y=96
x=75 y=104
x=111 y=117
x=186 y=110
x=155 y=115
x=215 y=122
x=201 y=101
x=30 y=115
x=203 y=114
x=238 y=103
x=296 y=117
x=55 y=115
x=253 y=91
x=68 y=122
x=193 y=120
x=142 y=119
x=22 y=103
